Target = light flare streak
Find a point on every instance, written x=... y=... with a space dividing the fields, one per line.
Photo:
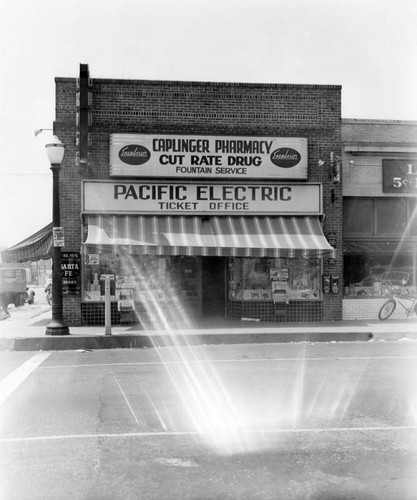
x=231 y=413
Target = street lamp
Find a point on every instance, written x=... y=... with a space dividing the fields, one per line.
x=55 y=151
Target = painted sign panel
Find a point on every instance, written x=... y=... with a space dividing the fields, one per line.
x=147 y=155
x=182 y=198
x=70 y=272
x=399 y=176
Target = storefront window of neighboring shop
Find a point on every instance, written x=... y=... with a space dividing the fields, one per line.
x=276 y=279
x=412 y=216
x=358 y=216
x=378 y=275
x=379 y=217
x=369 y=223
x=391 y=216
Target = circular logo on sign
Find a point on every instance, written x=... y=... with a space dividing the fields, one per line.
x=134 y=154
x=285 y=157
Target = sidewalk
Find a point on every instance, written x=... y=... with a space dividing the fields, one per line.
x=30 y=335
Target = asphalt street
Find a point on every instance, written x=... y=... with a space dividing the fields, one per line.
x=292 y=421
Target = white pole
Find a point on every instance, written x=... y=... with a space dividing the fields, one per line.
x=107 y=306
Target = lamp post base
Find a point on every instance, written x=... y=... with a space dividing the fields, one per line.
x=56 y=327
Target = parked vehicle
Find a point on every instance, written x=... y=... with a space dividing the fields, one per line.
x=399 y=278
x=13 y=285
x=48 y=291
x=369 y=280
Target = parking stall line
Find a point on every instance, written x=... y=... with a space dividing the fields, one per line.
x=127 y=402
x=10 y=383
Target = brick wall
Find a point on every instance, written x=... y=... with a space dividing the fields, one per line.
x=136 y=106
x=364 y=178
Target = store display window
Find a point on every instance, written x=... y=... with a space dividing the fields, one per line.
x=137 y=276
x=377 y=275
x=183 y=276
x=130 y=275
x=274 y=279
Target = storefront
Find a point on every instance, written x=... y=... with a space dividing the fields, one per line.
x=380 y=214
x=211 y=261
x=201 y=200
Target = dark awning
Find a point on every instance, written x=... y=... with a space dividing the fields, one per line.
x=369 y=247
x=36 y=247
x=218 y=236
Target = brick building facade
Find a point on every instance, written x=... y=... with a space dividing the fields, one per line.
x=90 y=113
x=380 y=214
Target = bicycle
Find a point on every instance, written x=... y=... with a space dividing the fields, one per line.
x=389 y=306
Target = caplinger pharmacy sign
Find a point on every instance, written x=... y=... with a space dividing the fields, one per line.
x=155 y=198
x=147 y=155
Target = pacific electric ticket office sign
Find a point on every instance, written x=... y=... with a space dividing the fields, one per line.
x=147 y=155
x=155 y=198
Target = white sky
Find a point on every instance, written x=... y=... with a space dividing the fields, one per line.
x=367 y=46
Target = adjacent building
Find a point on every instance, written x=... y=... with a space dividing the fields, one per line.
x=379 y=214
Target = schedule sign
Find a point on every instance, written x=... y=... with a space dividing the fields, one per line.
x=70 y=272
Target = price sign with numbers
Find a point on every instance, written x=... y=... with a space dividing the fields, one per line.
x=399 y=176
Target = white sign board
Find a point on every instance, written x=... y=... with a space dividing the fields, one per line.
x=155 y=198
x=58 y=236
x=233 y=157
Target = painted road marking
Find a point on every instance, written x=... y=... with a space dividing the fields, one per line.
x=9 y=384
x=196 y=433
x=251 y=360
x=127 y=402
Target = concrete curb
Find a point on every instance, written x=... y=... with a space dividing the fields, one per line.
x=123 y=341
x=31 y=336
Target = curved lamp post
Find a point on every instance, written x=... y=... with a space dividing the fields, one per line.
x=55 y=151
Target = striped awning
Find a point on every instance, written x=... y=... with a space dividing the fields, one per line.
x=36 y=247
x=214 y=236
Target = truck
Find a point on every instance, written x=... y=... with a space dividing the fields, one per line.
x=13 y=282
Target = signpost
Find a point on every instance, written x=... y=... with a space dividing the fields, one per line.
x=107 y=304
